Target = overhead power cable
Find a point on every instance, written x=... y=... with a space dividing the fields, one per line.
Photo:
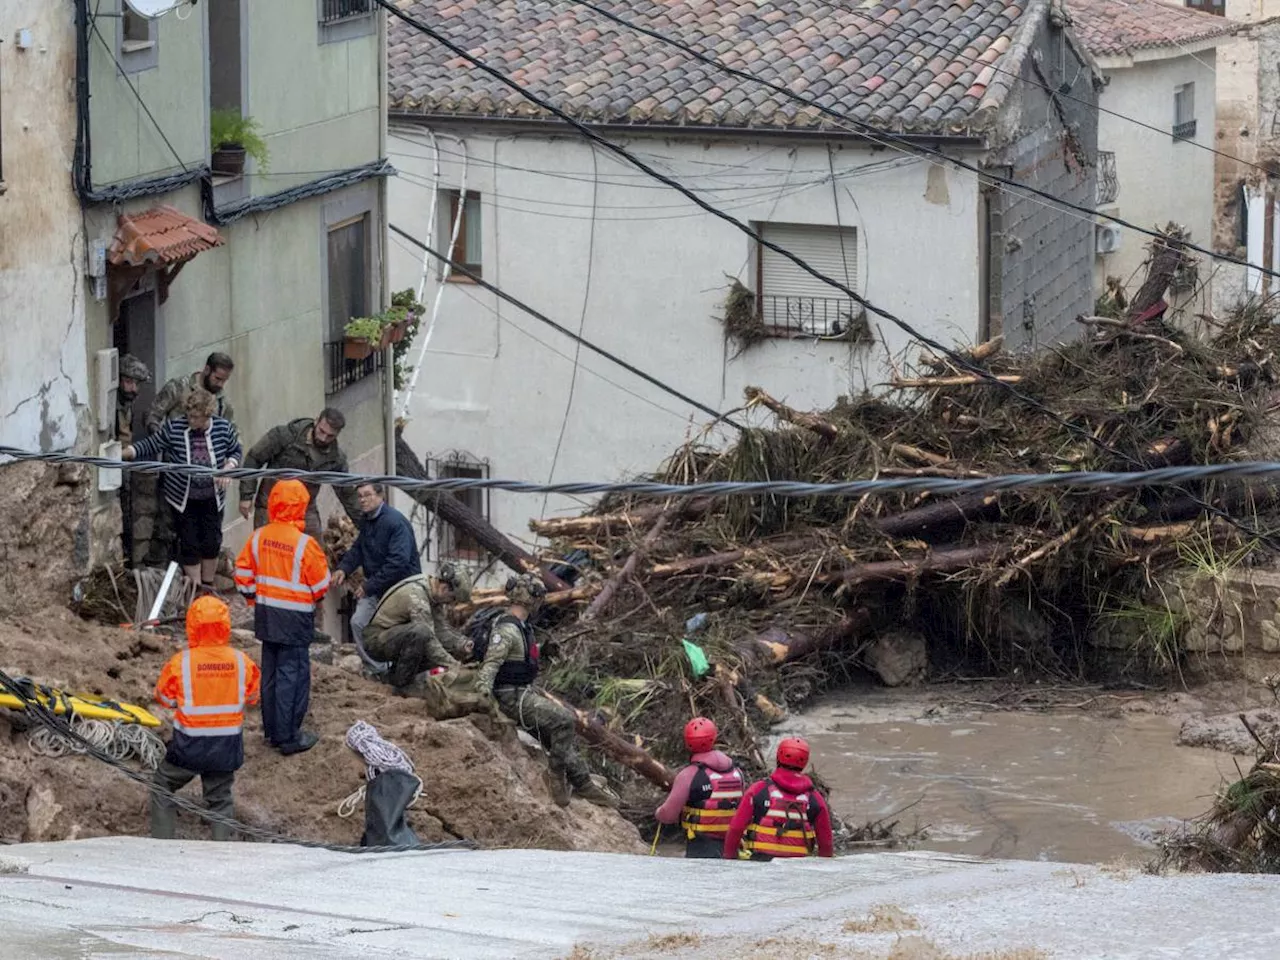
x=959 y=360
x=863 y=128
x=1067 y=480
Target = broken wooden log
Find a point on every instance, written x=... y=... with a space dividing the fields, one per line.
x=626 y=750
x=779 y=647
x=983 y=351
x=609 y=588
x=810 y=421
x=963 y=380
x=943 y=514
x=917 y=455
x=1168 y=256
x=449 y=509
x=951 y=560
x=605 y=523
x=719 y=561
x=1119 y=328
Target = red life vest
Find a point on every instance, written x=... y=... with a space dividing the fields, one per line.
x=781 y=823
x=713 y=798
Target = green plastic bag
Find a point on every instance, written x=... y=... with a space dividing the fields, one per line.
x=697 y=659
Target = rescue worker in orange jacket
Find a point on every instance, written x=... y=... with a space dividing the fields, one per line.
x=782 y=815
x=705 y=794
x=283 y=575
x=208 y=686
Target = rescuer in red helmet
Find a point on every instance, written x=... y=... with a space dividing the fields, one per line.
x=704 y=794
x=782 y=815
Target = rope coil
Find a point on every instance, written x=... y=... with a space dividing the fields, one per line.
x=379 y=755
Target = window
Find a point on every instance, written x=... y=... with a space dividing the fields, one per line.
x=791 y=302
x=1184 y=112
x=1217 y=7
x=331 y=11
x=138 y=40
x=345 y=19
x=453 y=543
x=349 y=296
x=1108 y=182
x=466 y=250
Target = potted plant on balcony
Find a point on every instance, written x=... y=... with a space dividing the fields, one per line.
x=231 y=138
x=364 y=335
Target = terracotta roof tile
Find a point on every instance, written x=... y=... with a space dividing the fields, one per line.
x=160 y=235
x=1123 y=26
x=868 y=60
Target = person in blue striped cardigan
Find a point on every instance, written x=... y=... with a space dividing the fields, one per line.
x=203 y=439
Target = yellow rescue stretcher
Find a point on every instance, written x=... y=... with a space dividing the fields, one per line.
x=80 y=705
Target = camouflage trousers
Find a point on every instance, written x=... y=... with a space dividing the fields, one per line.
x=552 y=724
x=410 y=648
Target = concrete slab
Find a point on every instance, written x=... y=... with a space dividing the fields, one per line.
x=141 y=899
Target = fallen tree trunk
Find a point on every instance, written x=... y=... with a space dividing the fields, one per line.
x=952 y=560
x=1168 y=254
x=718 y=561
x=609 y=589
x=964 y=380
x=560 y=527
x=779 y=647
x=983 y=351
x=810 y=421
x=934 y=516
x=625 y=750
x=916 y=455
x=449 y=509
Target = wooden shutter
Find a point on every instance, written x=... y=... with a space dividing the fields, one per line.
x=793 y=298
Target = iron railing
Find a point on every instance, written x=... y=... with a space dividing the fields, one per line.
x=331 y=11
x=808 y=316
x=1184 y=131
x=1108 y=183
x=342 y=372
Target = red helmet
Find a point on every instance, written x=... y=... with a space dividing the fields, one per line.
x=793 y=752
x=700 y=735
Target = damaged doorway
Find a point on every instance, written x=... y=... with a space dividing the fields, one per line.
x=136 y=333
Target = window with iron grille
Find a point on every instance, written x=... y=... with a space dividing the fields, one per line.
x=1184 y=112
x=452 y=543
x=333 y=11
x=793 y=303
x=1108 y=182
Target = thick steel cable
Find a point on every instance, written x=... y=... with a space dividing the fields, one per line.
x=1070 y=480
x=42 y=715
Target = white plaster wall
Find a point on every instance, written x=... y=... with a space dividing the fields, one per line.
x=43 y=379
x=1161 y=179
x=648 y=286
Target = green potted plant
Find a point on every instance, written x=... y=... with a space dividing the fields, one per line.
x=231 y=138
x=363 y=336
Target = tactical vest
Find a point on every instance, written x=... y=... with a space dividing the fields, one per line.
x=781 y=823
x=512 y=673
x=713 y=800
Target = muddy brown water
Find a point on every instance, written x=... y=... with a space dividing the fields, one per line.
x=1066 y=786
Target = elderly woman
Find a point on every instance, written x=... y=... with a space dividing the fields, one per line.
x=201 y=439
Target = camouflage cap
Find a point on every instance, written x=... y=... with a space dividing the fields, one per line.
x=525 y=590
x=134 y=369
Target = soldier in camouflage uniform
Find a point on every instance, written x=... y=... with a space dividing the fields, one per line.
x=409 y=632
x=132 y=373
x=509 y=665
x=302 y=444
x=153 y=526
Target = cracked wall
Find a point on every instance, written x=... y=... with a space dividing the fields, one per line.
x=44 y=391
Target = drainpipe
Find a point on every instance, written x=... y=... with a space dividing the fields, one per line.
x=389 y=381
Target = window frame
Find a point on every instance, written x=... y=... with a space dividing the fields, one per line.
x=137 y=55
x=343 y=28
x=458 y=250
x=350 y=205
x=446 y=535
x=1184 y=128
x=803 y=329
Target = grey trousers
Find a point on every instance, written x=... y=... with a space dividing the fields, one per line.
x=360 y=618
x=217 y=797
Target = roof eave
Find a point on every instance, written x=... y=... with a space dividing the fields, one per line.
x=1165 y=51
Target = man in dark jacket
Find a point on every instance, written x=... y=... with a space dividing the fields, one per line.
x=385 y=549
x=302 y=444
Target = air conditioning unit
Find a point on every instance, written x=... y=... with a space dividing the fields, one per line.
x=1106 y=238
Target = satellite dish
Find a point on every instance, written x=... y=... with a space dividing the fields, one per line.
x=153 y=8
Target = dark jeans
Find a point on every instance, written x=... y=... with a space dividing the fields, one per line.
x=286 y=691
x=199 y=530
x=217 y=797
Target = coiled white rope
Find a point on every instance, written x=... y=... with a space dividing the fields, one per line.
x=379 y=755
x=117 y=740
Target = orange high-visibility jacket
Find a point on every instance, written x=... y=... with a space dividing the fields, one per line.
x=208 y=686
x=282 y=572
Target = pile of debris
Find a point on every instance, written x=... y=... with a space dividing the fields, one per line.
x=798 y=593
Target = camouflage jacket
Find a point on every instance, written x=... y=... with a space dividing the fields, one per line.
x=506 y=643
x=409 y=601
x=289 y=447
x=172 y=397
x=124 y=421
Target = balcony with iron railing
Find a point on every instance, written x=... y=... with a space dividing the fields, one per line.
x=332 y=11
x=341 y=372
x=808 y=316
x=1108 y=182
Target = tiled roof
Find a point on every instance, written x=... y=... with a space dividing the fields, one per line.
x=160 y=235
x=1111 y=27
x=933 y=66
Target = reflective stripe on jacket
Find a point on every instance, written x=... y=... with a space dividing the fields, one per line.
x=782 y=824
x=713 y=799
x=208 y=687
x=283 y=574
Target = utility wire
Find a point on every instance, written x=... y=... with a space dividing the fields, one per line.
x=872 y=133
x=559 y=328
